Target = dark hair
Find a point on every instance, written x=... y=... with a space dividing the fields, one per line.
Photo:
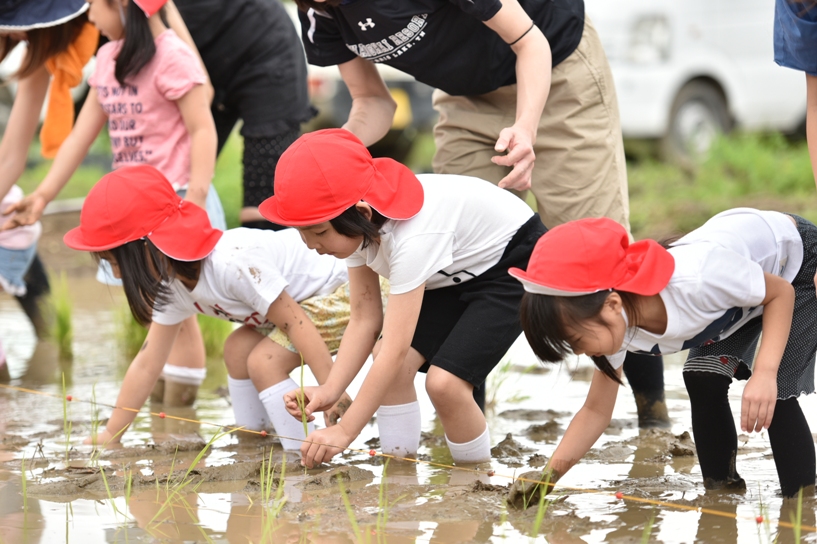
x=146 y=273
x=544 y=319
x=43 y=43
x=352 y=224
x=138 y=47
x=304 y=5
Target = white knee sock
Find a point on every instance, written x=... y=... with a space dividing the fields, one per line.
x=248 y=410
x=477 y=450
x=185 y=375
x=289 y=430
x=399 y=427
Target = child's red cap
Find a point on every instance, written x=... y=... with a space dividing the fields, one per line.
x=149 y=7
x=590 y=255
x=136 y=202
x=326 y=172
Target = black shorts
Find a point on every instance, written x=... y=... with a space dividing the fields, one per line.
x=467 y=328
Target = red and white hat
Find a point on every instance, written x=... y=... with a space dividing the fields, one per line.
x=326 y=172
x=136 y=202
x=591 y=255
x=150 y=6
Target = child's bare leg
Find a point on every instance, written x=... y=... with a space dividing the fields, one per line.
x=248 y=410
x=466 y=430
x=184 y=371
x=398 y=418
x=269 y=365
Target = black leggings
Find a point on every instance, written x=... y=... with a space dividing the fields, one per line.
x=717 y=443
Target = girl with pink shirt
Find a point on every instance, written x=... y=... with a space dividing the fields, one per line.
x=150 y=89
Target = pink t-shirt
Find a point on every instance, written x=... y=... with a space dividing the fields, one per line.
x=144 y=122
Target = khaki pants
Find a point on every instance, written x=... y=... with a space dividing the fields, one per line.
x=579 y=170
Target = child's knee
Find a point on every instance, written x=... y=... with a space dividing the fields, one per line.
x=446 y=389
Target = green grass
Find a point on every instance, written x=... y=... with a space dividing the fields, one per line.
x=63 y=307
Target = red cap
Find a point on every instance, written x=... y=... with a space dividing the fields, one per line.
x=326 y=172
x=590 y=255
x=135 y=202
x=150 y=6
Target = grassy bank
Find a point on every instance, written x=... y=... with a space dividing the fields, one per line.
x=757 y=170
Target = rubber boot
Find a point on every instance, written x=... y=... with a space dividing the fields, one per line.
x=646 y=376
x=158 y=394
x=178 y=393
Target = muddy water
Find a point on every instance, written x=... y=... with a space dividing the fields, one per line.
x=174 y=497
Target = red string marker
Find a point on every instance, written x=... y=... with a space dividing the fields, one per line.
x=372 y=453
x=619 y=495
x=264 y=434
x=759 y=519
x=69 y=398
x=162 y=415
x=491 y=473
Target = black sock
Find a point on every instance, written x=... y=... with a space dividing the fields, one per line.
x=713 y=427
x=792 y=446
x=263 y=225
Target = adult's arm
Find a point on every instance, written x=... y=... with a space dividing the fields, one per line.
x=139 y=381
x=89 y=123
x=23 y=121
x=587 y=425
x=811 y=121
x=533 y=74
x=372 y=105
x=176 y=23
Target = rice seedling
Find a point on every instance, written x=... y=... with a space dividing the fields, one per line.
x=63 y=329
x=543 y=506
x=797 y=518
x=130 y=334
x=302 y=399
x=383 y=506
x=24 y=484
x=116 y=511
x=350 y=512
x=500 y=377
x=66 y=424
x=271 y=509
x=647 y=532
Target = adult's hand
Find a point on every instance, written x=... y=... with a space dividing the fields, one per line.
x=517 y=144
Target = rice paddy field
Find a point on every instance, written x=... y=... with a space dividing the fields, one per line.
x=187 y=475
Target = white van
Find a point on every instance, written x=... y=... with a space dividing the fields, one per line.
x=685 y=71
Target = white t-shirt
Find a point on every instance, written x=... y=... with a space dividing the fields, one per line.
x=460 y=232
x=718 y=283
x=247 y=271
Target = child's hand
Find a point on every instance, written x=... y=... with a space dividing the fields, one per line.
x=759 y=400
x=102 y=440
x=333 y=415
x=317 y=399
x=321 y=445
x=26 y=212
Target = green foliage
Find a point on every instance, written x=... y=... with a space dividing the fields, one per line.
x=63 y=308
x=215 y=333
x=756 y=170
x=228 y=179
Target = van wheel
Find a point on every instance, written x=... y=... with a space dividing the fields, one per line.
x=698 y=116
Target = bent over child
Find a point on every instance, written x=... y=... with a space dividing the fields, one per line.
x=712 y=292
x=445 y=243
x=174 y=265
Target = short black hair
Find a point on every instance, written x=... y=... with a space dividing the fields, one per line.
x=146 y=275
x=352 y=223
x=545 y=318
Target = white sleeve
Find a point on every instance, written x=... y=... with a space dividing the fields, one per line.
x=173 y=312
x=257 y=285
x=729 y=280
x=618 y=359
x=418 y=258
x=355 y=260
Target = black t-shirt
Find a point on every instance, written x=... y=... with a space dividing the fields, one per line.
x=252 y=53
x=442 y=43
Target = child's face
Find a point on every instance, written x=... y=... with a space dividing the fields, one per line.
x=114 y=265
x=603 y=335
x=106 y=15
x=324 y=239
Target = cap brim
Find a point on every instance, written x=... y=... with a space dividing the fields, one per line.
x=269 y=209
x=75 y=240
x=187 y=235
x=41 y=14
x=537 y=289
